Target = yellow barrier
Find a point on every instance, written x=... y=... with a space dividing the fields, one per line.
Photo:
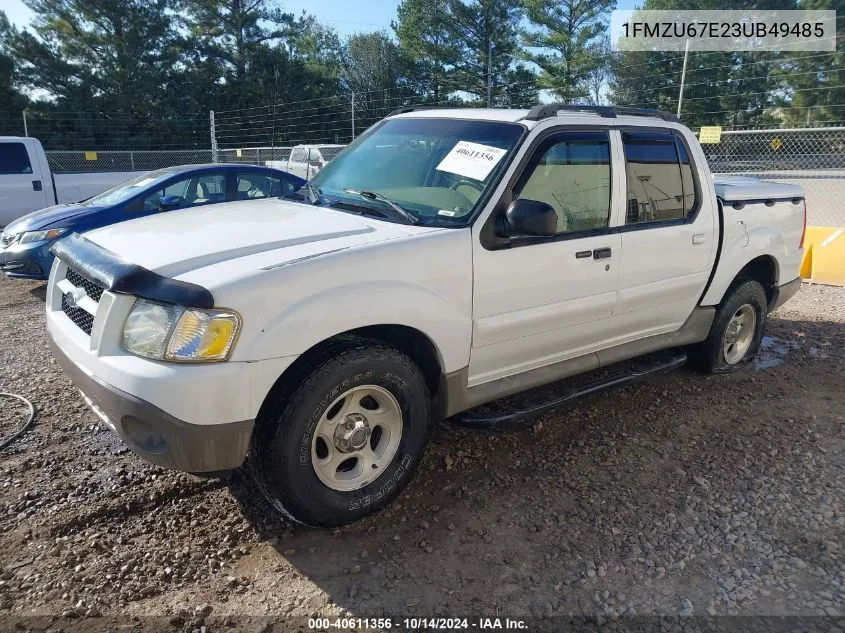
x=824 y=255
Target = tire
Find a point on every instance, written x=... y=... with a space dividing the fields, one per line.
x=298 y=442
x=745 y=303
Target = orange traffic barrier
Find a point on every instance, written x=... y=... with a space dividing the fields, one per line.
x=824 y=255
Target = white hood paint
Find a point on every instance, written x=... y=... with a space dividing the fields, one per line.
x=178 y=242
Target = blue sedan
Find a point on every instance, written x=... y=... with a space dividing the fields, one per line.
x=25 y=244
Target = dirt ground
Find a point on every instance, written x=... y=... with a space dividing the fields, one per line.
x=683 y=495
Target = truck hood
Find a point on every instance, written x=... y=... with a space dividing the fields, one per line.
x=181 y=241
x=52 y=217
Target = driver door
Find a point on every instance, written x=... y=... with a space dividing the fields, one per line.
x=540 y=300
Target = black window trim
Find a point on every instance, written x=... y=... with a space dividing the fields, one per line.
x=679 y=137
x=488 y=237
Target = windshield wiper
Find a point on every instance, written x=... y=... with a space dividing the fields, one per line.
x=399 y=211
x=314 y=194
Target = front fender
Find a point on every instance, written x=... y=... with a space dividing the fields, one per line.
x=350 y=306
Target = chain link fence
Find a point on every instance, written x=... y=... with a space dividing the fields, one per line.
x=813 y=158
x=307 y=159
x=83 y=162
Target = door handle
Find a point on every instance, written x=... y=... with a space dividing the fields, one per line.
x=36 y=185
x=699 y=238
x=601 y=253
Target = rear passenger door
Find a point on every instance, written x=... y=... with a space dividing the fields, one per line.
x=668 y=239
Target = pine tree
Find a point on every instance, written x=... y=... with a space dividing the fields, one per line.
x=813 y=83
x=486 y=31
x=111 y=60
x=561 y=41
x=425 y=34
x=721 y=88
x=12 y=101
x=374 y=73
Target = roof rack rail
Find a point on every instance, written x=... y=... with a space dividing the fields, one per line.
x=414 y=108
x=540 y=112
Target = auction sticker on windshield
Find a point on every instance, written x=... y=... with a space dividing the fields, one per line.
x=471 y=160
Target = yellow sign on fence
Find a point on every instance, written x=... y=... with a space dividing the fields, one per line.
x=710 y=134
x=776 y=143
x=238 y=153
x=90 y=155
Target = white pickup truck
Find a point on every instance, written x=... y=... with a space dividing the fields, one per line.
x=306 y=161
x=445 y=259
x=27 y=184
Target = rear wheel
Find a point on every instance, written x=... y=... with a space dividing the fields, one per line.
x=737 y=330
x=344 y=440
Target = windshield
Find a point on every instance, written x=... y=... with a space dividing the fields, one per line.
x=126 y=190
x=435 y=169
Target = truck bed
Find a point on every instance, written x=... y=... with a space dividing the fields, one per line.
x=745 y=189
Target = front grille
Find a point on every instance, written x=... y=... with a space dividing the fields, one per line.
x=82 y=318
x=95 y=291
x=71 y=299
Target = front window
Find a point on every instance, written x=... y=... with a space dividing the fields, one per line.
x=125 y=190
x=435 y=169
x=571 y=173
x=196 y=190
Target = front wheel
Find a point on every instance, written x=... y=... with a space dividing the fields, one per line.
x=737 y=330
x=344 y=441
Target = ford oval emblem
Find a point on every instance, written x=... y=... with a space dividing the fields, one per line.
x=75 y=296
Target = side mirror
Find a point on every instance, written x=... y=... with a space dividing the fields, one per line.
x=169 y=202
x=531 y=217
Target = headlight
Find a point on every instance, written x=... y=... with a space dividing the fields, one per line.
x=169 y=332
x=40 y=236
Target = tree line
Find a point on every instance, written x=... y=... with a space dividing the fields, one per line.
x=145 y=73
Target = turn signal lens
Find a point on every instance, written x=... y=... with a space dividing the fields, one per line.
x=203 y=335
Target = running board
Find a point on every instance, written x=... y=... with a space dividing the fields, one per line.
x=543 y=399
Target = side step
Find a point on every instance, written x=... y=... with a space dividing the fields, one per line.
x=543 y=399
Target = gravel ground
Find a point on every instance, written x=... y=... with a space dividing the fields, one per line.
x=683 y=495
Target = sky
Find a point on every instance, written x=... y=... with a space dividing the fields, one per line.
x=346 y=17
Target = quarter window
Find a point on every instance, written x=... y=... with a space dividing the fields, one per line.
x=14 y=159
x=571 y=172
x=659 y=175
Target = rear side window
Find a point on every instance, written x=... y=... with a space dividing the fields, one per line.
x=659 y=175
x=254 y=185
x=14 y=159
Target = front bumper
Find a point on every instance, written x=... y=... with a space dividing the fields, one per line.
x=27 y=261
x=156 y=435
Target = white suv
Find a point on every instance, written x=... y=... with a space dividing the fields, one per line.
x=445 y=259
